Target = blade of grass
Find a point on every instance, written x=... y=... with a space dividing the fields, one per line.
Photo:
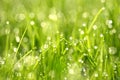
x=95 y=18
x=20 y=43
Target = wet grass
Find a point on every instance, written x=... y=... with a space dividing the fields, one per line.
x=59 y=40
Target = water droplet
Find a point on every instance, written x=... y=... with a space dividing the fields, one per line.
x=65 y=78
x=82 y=32
x=45 y=46
x=102 y=1
x=18 y=66
x=32 y=23
x=89 y=50
x=52 y=73
x=17 y=39
x=81 y=61
x=20 y=17
x=113 y=31
x=84 y=24
x=7 y=22
x=57 y=32
x=105 y=74
x=2 y=62
x=112 y=50
x=85 y=38
x=15 y=49
x=85 y=15
x=95 y=47
x=66 y=49
x=29 y=60
x=71 y=71
x=96 y=74
x=85 y=54
x=43 y=24
x=109 y=23
x=101 y=35
x=94 y=27
x=49 y=38
x=71 y=38
x=53 y=17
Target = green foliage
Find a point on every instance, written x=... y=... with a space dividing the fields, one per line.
x=59 y=40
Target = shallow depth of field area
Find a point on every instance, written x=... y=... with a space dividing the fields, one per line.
x=59 y=39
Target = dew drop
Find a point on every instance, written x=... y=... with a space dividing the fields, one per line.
x=95 y=47
x=71 y=71
x=81 y=61
x=17 y=39
x=66 y=49
x=7 y=22
x=94 y=27
x=112 y=50
x=84 y=24
x=96 y=74
x=32 y=23
x=101 y=35
x=15 y=49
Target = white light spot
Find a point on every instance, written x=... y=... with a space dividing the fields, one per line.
x=71 y=38
x=109 y=23
x=15 y=49
x=53 y=17
x=21 y=16
x=61 y=35
x=82 y=32
x=95 y=47
x=71 y=71
x=29 y=60
x=45 y=46
x=49 y=38
x=57 y=32
x=94 y=27
x=85 y=38
x=101 y=35
x=18 y=66
x=105 y=74
x=66 y=49
x=96 y=74
x=7 y=22
x=17 y=39
x=112 y=50
x=2 y=62
x=32 y=23
x=89 y=50
x=102 y=1
x=85 y=15
x=85 y=54
x=43 y=24
x=65 y=78
x=84 y=24
x=113 y=31
x=81 y=61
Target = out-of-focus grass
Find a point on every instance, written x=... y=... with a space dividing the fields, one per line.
x=59 y=40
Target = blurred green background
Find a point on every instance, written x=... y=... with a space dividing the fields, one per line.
x=48 y=40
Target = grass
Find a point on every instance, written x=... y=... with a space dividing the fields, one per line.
x=59 y=40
